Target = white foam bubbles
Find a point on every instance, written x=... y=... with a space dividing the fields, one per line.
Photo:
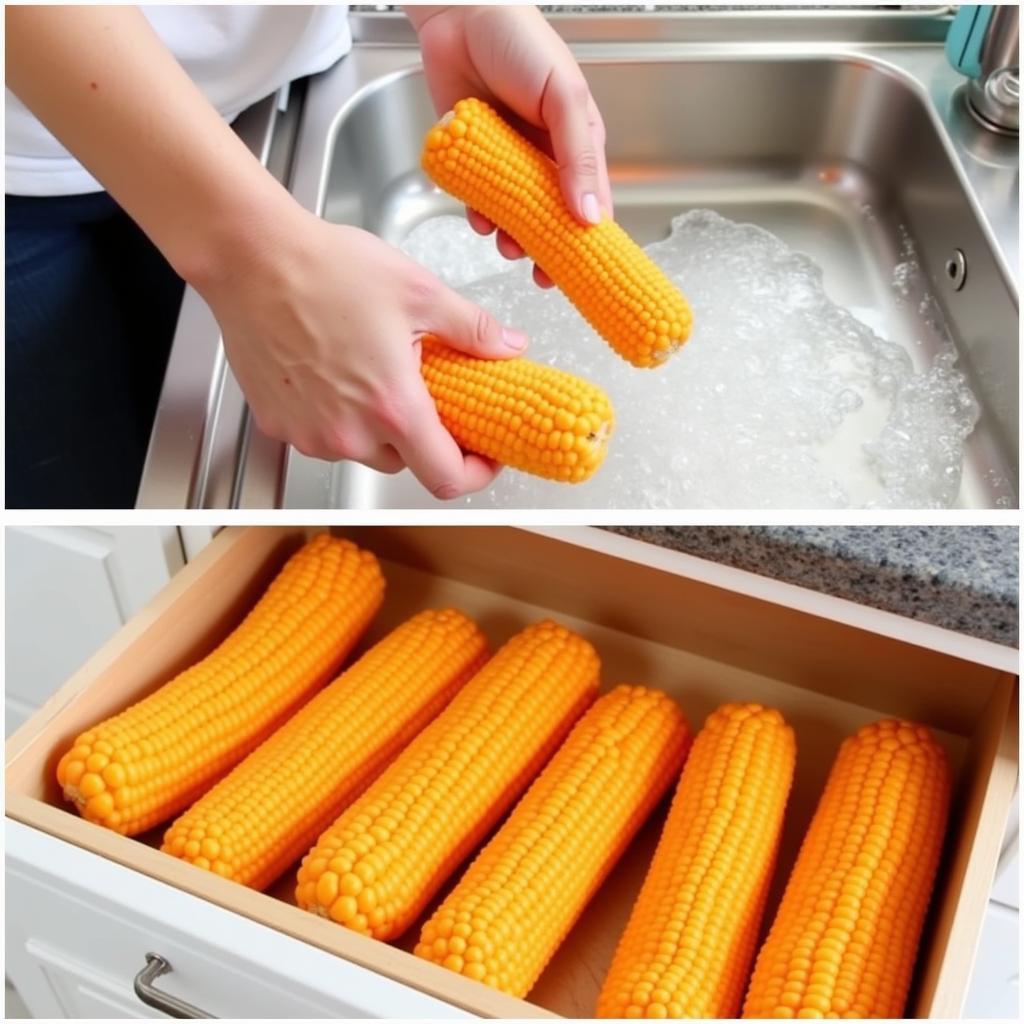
x=453 y=251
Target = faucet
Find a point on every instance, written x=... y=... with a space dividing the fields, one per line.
x=984 y=44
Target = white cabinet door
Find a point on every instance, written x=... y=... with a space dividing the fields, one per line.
x=79 y=928
x=1007 y=887
x=995 y=983
x=68 y=589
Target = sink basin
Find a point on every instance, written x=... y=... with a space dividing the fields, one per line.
x=850 y=152
x=839 y=157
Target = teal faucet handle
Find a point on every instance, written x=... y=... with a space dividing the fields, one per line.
x=966 y=35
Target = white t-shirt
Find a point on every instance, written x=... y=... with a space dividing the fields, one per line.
x=236 y=54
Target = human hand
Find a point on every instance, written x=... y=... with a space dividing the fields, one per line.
x=321 y=326
x=511 y=57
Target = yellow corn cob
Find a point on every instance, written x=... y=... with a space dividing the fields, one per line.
x=516 y=903
x=526 y=415
x=260 y=819
x=481 y=160
x=687 y=949
x=141 y=766
x=378 y=865
x=845 y=937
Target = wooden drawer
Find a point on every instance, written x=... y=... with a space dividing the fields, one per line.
x=705 y=632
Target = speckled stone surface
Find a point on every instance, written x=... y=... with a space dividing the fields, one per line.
x=660 y=8
x=960 y=577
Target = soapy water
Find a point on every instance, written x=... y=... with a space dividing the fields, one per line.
x=453 y=251
x=780 y=399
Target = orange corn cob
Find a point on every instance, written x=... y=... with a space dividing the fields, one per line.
x=516 y=903
x=845 y=938
x=687 y=949
x=526 y=415
x=481 y=160
x=141 y=766
x=378 y=865
x=260 y=819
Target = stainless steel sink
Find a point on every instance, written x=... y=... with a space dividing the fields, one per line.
x=847 y=137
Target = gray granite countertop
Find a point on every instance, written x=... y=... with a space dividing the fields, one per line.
x=960 y=577
x=659 y=8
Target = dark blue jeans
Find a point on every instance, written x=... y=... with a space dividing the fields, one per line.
x=90 y=314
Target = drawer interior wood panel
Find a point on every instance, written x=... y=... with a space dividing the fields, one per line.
x=705 y=633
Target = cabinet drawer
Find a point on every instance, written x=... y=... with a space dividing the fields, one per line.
x=704 y=632
x=79 y=927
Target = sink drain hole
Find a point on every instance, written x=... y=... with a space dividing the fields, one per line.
x=956 y=269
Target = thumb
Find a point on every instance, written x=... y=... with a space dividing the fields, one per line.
x=465 y=326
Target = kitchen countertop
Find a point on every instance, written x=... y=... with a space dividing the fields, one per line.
x=963 y=578
x=659 y=8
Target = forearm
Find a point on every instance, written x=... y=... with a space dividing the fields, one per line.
x=105 y=85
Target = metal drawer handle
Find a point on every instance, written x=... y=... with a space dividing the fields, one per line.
x=156 y=966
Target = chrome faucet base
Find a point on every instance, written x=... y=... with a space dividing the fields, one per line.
x=995 y=101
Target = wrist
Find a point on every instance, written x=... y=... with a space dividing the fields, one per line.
x=232 y=236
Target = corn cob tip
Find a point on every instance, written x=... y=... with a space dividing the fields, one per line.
x=893 y=733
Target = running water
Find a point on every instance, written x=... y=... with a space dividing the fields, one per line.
x=780 y=399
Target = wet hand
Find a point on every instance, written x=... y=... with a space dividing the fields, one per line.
x=512 y=58
x=322 y=327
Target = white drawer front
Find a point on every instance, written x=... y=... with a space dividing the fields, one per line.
x=79 y=927
x=78 y=989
